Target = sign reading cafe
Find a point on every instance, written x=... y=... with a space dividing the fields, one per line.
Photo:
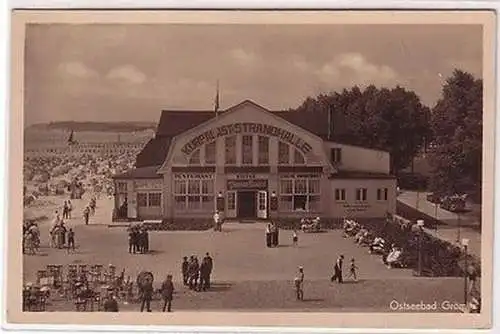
x=252 y=128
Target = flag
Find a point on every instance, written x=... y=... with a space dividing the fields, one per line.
x=70 y=139
x=217 y=100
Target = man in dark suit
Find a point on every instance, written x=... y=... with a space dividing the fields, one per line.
x=146 y=297
x=210 y=267
x=167 y=292
x=337 y=270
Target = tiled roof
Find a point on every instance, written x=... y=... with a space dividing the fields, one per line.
x=140 y=173
x=154 y=152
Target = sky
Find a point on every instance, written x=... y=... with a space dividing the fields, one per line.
x=131 y=72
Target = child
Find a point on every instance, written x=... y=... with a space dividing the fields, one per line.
x=352 y=270
x=295 y=238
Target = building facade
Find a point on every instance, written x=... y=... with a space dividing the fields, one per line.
x=251 y=163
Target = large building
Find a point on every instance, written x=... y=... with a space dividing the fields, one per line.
x=252 y=163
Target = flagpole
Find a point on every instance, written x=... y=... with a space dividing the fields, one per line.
x=216 y=109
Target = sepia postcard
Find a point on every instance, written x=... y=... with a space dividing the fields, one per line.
x=251 y=168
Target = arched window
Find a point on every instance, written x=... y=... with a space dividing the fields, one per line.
x=283 y=153
x=210 y=151
x=194 y=159
x=298 y=158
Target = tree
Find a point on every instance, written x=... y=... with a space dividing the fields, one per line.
x=457 y=126
x=390 y=119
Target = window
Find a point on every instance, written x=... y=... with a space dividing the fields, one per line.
x=154 y=199
x=149 y=199
x=299 y=194
x=336 y=155
x=263 y=150
x=194 y=159
x=340 y=194
x=194 y=194
x=230 y=149
x=361 y=194
x=247 y=150
x=210 y=153
x=122 y=187
x=382 y=194
x=142 y=199
x=283 y=153
x=298 y=158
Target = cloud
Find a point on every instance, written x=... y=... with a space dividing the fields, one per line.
x=127 y=73
x=354 y=68
x=243 y=57
x=77 y=69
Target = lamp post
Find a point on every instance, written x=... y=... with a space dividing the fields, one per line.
x=465 y=244
x=420 y=224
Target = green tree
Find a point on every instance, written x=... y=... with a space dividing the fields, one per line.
x=389 y=119
x=457 y=126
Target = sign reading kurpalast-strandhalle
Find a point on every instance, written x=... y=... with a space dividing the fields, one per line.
x=235 y=128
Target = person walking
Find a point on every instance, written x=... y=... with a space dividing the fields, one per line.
x=70 y=208
x=86 y=215
x=131 y=241
x=295 y=238
x=337 y=275
x=185 y=270
x=268 y=235
x=353 y=270
x=167 y=292
x=299 y=284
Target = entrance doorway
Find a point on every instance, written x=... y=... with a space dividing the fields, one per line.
x=247 y=204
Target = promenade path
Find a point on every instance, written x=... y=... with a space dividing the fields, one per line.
x=454 y=227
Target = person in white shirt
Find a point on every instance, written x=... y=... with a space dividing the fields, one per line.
x=217 y=226
x=299 y=284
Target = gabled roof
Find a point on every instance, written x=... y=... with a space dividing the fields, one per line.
x=154 y=152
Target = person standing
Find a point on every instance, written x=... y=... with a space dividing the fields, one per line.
x=70 y=208
x=65 y=210
x=131 y=241
x=146 y=240
x=216 y=217
x=86 y=215
x=185 y=270
x=147 y=296
x=71 y=240
x=203 y=275
x=295 y=238
x=299 y=284
x=268 y=235
x=338 y=270
x=210 y=267
x=167 y=292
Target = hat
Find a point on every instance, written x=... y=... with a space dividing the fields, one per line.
x=300 y=267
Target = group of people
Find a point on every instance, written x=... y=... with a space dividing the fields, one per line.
x=391 y=256
x=272 y=235
x=197 y=275
x=31 y=237
x=138 y=239
x=60 y=236
x=67 y=209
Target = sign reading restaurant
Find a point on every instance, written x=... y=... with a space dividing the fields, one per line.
x=253 y=128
